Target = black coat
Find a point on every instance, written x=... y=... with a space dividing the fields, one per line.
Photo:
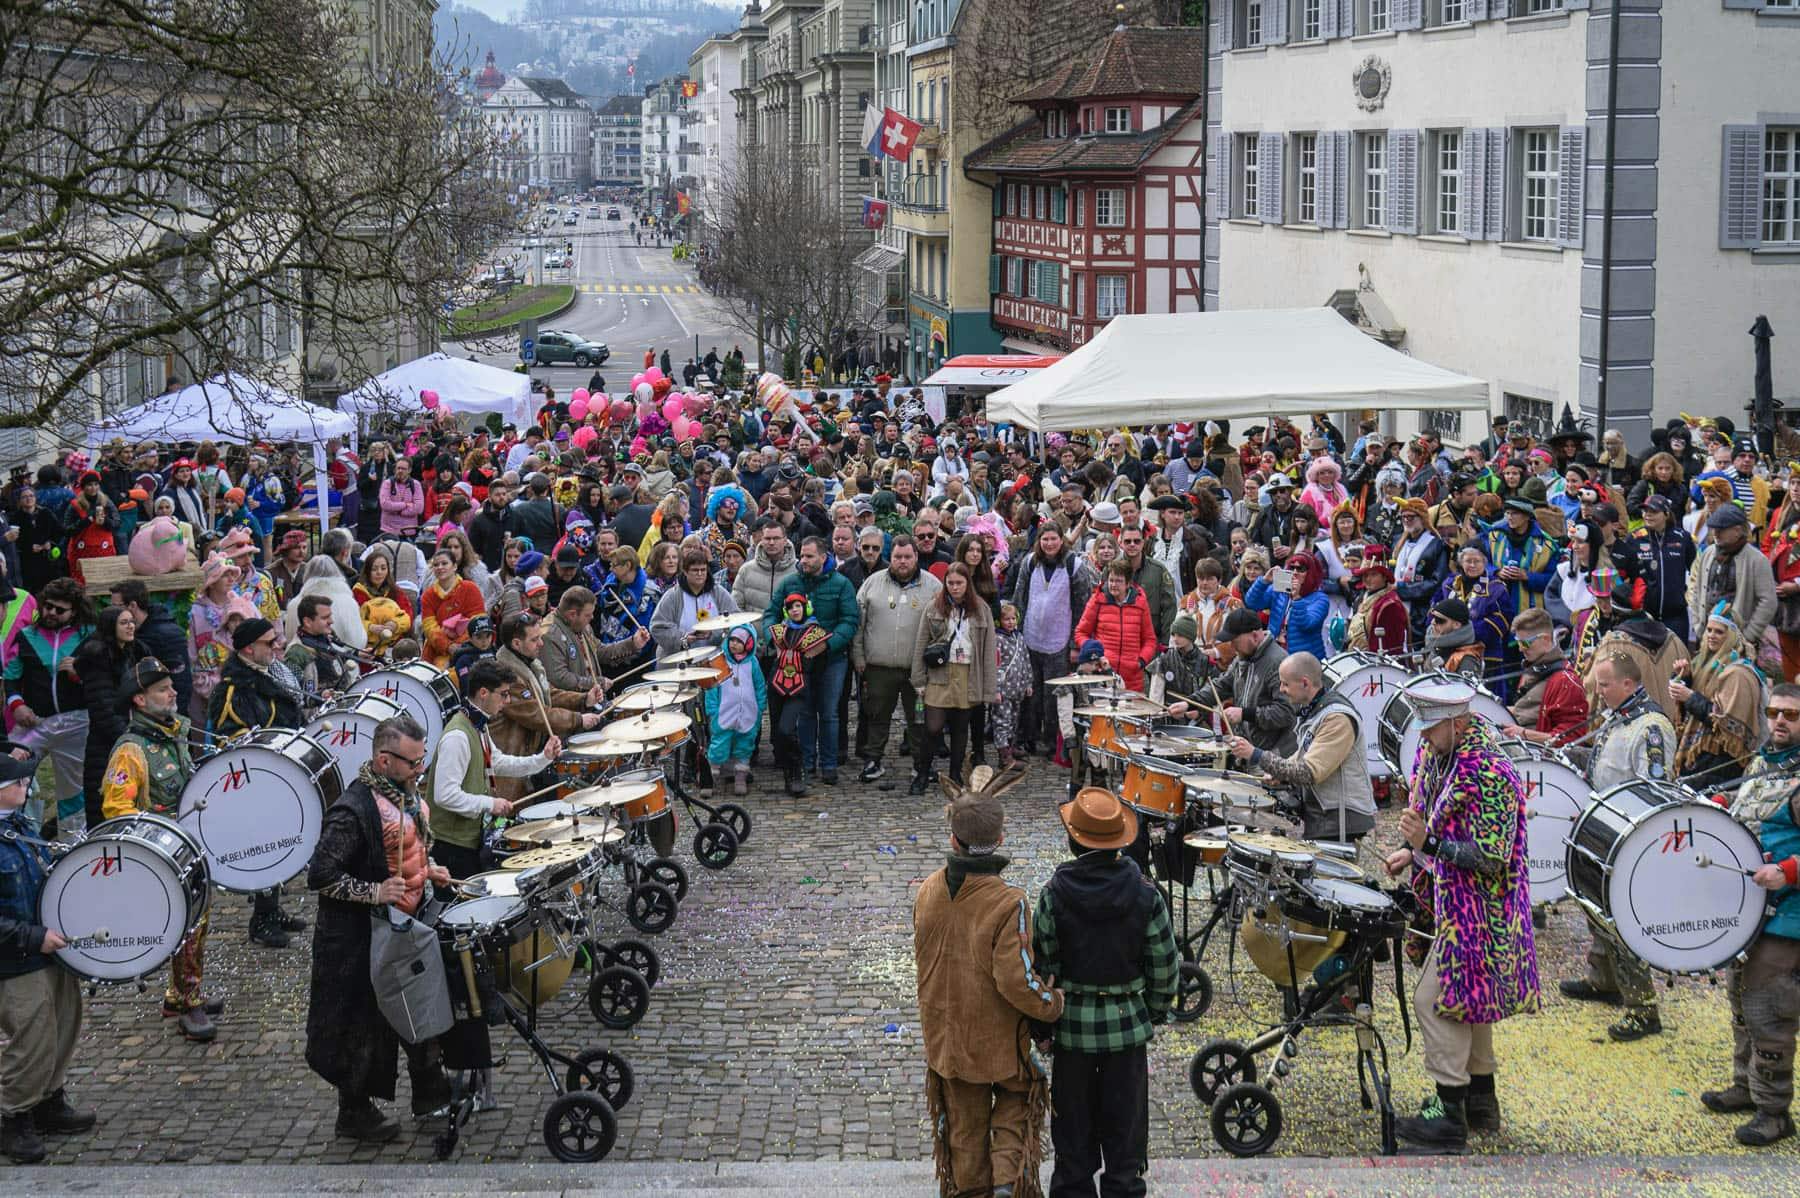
x=101 y=669
x=163 y=639
x=246 y=699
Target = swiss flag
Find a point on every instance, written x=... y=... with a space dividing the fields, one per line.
x=897 y=135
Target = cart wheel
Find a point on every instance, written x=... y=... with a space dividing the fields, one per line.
x=1195 y=994
x=651 y=908
x=635 y=954
x=715 y=846
x=668 y=873
x=580 y=1127
x=618 y=997
x=735 y=818
x=606 y=1073
x=1219 y=1065
x=1246 y=1119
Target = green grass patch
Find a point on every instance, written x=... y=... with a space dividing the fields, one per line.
x=504 y=311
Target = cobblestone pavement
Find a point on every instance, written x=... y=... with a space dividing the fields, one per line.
x=784 y=1029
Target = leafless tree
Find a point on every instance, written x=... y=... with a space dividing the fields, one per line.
x=215 y=182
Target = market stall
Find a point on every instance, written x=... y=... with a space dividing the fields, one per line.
x=462 y=386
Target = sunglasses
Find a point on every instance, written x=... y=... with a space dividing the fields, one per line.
x=57 y=609
x=1782 y=713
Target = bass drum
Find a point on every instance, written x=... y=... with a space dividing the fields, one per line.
x=1400 y=732
x=427 y=693
x=1634 y=863
x=256 y=807
x=125 y=897
x=346 y=727
x=1368 y=680
x=1555 y=795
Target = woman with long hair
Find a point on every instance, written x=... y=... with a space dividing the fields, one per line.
x=449 y=602
x=1721 y=696
x=1660 y=475
x=973 y=552
x=385 y=610
x=1345 y=530
x=960 y=627
x=664 y=565
x=468 y=562
x=101 y=662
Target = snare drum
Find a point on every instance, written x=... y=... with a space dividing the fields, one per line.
x=346 y=727
x=1209 y=845
x=125 y=897
x=1344 y=905
x=1368 y=681
x=428 y=694
x=1633 y=864
x=256 y=807
x=718 y=663
x=1154 y=787
x=1400 y=731
x=516 y=940
x=1555 y=795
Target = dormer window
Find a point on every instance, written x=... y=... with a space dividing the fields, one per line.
x=1118 y=120
x=1056 y=124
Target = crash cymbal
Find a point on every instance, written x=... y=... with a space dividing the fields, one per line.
x=1106 y=680
x=610 y=794
x=1174 y=747
x=650 y=726
x=1271 y=842
x=690 y=656
x=654 y=695
x=586 y=829
x=600 y=751
x=727 y=621
x=680 y=674
x=1227 y=783
x=1257 y=820
x=556 y=854
x=1140 y=711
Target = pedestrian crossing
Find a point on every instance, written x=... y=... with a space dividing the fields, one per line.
x=638 y=288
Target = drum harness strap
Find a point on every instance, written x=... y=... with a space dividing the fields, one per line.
x=14 y=836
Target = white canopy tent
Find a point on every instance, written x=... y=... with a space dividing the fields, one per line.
x=1192 y=366
x=463 y=387
x=229 y=408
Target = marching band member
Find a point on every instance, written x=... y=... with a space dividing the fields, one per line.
x=1720 y=701
x=1251 y=684
x=1549 y=704
x=1465 y=833
x=1330 y=764
x=1636 y=741
x=1764 y=989
x=323 y=664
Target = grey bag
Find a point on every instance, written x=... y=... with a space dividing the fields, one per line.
x=407 y=970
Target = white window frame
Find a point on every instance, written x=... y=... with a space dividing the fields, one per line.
x=1376 y=16
x=1080 y=206
x=1080 y=298
x=1449 y=12
x=1781 y=184
x=1536 y=8
x=1309 y=24
x=1108 y=300
x=1306 y=178
x=1015 y=275
x=1371 y=179
x=1253 y=22
x=1448 y=171
x=1540 y=177
x=1109 y=207
x=1118 y=120
x=1249 y=163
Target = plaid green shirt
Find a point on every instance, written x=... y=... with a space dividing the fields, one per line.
x=1109 y=1018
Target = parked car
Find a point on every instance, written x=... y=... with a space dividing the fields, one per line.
x=555 y=346
x=573 y=218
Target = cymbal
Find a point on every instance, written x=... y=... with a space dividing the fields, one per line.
x=610 y=794
x=652 y=725
x=1225 y=782
x=1271 y=842
x=588 y=830
x=1106 y=680
x=1257 y=820
x=690 y=656
x=1141 y=710
x=1156 y=745
x=556 y=854
x=654 y=695
x=680 y=674
x=727 y=621
x=601 y=751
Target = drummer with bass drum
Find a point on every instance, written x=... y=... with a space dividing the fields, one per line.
x=149 y=768
x=1764 y=988
x=1636 y=741
x=1330 y=764
x=1251 y=684
x=1549 y=704
x=40 y=1004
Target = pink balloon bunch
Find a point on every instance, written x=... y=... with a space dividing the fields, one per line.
x=654 y=374
x=430 y=400
x=695 y=404
x=584 y=436
x=579 y=395
x=578 y=407
x=636 y=379
x=671 y=410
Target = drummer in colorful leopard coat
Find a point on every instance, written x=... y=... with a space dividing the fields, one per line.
x=1465 y=837
x=1636 y=741
x=1765 y=987
x=1549 y=704
x=149 y=768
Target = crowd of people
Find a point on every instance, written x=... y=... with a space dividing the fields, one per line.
x=945 y=571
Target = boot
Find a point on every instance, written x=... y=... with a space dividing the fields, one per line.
x=1442 y=1124
x=1765 y=1129
x=54 y=1116
x=365 y=1121
x=19 y=1139
x=266 y=931
x=1638 y=1023
x=1732 y=1100
x=1483 y=1106
x=212 y=1006
x=919 y=783
x=1061 y=756
x=289 y=922
x=796 y=781
x=197 y=1025
x=1582 y=990
x=740 y=780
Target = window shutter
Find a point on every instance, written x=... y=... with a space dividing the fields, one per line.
x=1474 y=184
x=1403 y=181
x=1328 y=19
x=1268 y=178
x=1740 y=188
x=1226 y=41
x=1571 y=186
x=1340 y=180
x=1059 y=205
x=993 y=274
x=1576 y=5
x=1222 y=173
x=1346 y=18
x=1407 y=14
x=999 y=201
x=1493 y=200
x=1275 y=23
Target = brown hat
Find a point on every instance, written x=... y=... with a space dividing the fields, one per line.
x=1096 y=819
x=977 y=822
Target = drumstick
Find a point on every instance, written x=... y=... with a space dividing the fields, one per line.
x=1705 y=862
x=534 y=794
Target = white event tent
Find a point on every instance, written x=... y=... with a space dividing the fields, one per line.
x=1192 y=366
x=462 y=386
x=230 y=408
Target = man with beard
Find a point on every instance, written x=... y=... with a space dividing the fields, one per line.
x=1330 y=762
x=487 y=531
x=1052 y=591
x=1549 y=706
x=1251 y=685
x=1420 y=560
x=1450 y=642
x=1274 y=525
x=892 y=602
x=1733 y=571
x=322 y=663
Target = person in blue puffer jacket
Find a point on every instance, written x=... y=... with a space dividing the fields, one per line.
x=1298 y=618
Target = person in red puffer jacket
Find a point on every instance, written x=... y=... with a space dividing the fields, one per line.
x=1118 y=617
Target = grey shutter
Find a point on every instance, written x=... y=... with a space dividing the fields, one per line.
x=1225 y=32
x=1403 y=181
x=1268 y=178
x=1340 y=180
x=1407 y=14
x=1474 y=175
x=1222 y=172
x=1571 y=180
x=1346 y=17
x=1328 y=19
x=1493 y=198
x=1576 y=5
x=1324 y=193
x=1750 y=4
x=1740 y=188
x=1497 y=10
x=1275 y=22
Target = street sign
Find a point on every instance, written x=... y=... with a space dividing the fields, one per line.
x=528 y=351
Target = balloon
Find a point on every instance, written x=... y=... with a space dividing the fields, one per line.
x=584 y=436
x=621 y=410
x=430 y=400
x=694 y=404
x=636 y=379
x=679 y=426
x=578 y=407
x=663 y=386
x=654 y=374
x=671 y=409
x=579 y=395
x=642 y=390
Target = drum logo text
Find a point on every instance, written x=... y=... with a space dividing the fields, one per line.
x=1374 y=686
x=236 y=775
x=1677 y=837
x=109 y=862
x=346 y=735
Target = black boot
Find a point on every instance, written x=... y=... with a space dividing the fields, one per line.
x=1637 y=1023
x=1442 y=1124
x=796 y=781
x=919 y=783
x=365 y=1121
x=1766 y=1129
x=1582 y=990
x=266 y=931
x=19 y=1138
x=54 y=1116
x=1483 y=1106
x=1729 y=1101
x=289 y=922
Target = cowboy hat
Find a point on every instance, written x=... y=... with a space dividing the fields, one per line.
x=1096 y=819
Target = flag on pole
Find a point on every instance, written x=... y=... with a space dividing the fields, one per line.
x=894 y=137
x=682 y=203
x=871 y=130
x=874 y=212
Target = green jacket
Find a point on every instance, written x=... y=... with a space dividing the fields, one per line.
x=833 y=604
x=454 y=827
x=167 y=760
x=1153 y=579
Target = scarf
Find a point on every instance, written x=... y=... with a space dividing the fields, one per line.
x=403 y=800
x=958 y=868
x=1456 y=638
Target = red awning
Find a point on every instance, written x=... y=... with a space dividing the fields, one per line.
x=988 y=370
